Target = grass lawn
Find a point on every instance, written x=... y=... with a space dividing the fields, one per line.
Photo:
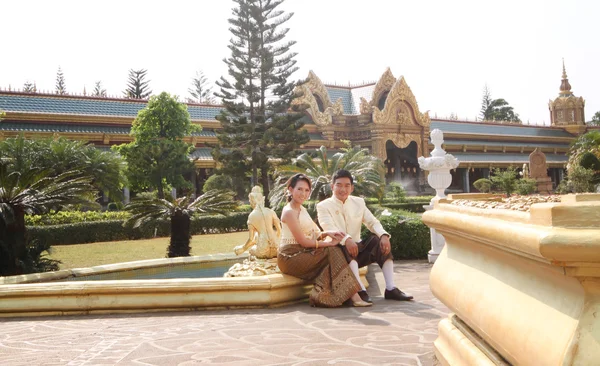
x=95 y=254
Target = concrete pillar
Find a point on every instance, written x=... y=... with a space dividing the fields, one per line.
x=126 y=195
x=174 y=192
x=437 y=240
x=194 y=188
x=466 y=183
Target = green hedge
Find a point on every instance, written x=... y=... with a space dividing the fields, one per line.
x=73 y=217
x=113 y=230
x=410 y=236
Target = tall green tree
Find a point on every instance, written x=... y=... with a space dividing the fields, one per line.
x=137 y=85
x=158 y=155
x=99 y=91
x=61 y=87
x=200 y=91
x=257 y=120
x=496 y=109
x=595 y=119
x=29 y=87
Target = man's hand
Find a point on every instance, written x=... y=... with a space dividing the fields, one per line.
x=384 y=242
x=352 y=247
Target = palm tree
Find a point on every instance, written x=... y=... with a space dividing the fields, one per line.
x=32 y=191
x=180 y=212
x=367 y=170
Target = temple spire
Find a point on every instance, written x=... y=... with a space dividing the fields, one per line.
x=565 y=87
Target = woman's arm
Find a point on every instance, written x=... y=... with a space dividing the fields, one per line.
x=290 y=218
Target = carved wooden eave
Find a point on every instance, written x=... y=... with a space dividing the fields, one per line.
x=395 y=113
x=307 y=91
x=385 y=84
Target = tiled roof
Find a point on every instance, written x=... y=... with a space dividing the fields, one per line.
x=505 y=143
x=316 y=136
x=505 y=158
x=489 y=129
x=89 y=106
x=346 y=95
x=202 y=153
x=77 y=128
x=65 y=127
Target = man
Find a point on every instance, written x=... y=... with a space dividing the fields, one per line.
x=346 y=213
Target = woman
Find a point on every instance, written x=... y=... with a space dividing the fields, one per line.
x=303 y=254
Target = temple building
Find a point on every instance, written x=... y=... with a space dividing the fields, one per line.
x=382 y=116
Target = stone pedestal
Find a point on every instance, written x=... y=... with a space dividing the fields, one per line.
x=544 y=185
x=439 y=178
x=524 y=287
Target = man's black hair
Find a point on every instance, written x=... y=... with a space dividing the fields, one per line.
x=342 y=173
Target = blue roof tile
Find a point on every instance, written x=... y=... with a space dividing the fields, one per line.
x=65 y=127
x=507 y=158
x=487 y=129
x=85 y=106
x=504 y=143
x=346 y=95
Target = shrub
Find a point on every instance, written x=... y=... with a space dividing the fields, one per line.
x=112 y=207
x=410 y=237
x=526 y=186
x=218 y=181
x=395 y=191
x=72 y=217
x=589 y=161
x=505 y=180
x=581 y=180
x=483 y=185
x=99 y=231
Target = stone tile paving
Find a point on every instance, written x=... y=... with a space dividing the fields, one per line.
x=388 y=333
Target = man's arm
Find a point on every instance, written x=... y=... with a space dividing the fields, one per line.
x=325 y=219
x=371 y=222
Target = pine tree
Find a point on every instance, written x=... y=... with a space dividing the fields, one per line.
x=99 y=91
x=137 y=87
x=29 y=87
x=61 y=87
x=257 y=120
x=200 y=91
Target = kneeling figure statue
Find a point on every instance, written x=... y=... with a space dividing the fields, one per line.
x=263 y=239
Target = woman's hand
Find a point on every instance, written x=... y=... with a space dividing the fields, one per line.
x=334 y=235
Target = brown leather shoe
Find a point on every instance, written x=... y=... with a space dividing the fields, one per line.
x=396 y=294
x=365 y=296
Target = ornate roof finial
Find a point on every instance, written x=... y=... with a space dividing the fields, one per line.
x=565 y=87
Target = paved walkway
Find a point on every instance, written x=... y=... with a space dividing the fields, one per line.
x=388 y=333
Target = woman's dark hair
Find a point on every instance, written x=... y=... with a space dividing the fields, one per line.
x=294 y=180
x=342 y=173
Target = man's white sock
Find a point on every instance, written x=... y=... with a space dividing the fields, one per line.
x=388 y=274
x=354 y=267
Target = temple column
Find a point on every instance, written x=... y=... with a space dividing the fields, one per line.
x=466 y=183
x=126 y=195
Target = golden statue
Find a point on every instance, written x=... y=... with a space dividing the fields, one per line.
x=264 y=226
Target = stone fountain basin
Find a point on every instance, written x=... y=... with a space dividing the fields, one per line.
x=39 y=294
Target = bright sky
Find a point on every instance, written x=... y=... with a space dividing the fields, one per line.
x=446 y=50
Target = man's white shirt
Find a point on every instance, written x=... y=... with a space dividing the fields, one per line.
x=335 y=215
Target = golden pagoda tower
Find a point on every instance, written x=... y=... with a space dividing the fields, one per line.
x=567 y=110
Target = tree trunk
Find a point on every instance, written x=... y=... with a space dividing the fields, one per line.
x=264 y=172
x=180 y=236
x=159 y=190
x=13 y=247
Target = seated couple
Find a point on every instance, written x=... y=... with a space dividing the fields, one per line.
x=333 y=264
